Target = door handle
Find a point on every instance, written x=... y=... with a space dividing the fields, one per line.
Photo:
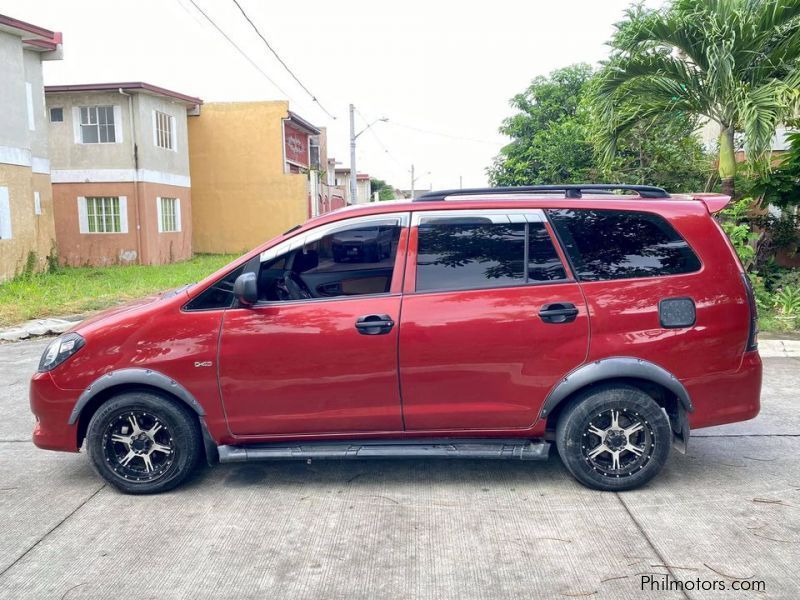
x=558 y=312
x=374 y=324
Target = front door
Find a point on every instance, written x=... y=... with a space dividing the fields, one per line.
x=318 y=352
x=492 y=319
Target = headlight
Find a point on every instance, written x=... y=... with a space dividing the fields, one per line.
x=59 y=350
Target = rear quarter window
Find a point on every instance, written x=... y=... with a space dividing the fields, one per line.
x=614 y=244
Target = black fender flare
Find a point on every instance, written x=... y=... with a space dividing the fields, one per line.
x=614 y=368
x=134 y=376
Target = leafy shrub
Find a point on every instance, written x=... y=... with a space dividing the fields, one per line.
x=787 y=301
x=736 y=224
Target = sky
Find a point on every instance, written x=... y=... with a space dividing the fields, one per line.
x=442 y=72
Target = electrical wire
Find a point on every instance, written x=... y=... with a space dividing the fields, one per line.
x=242 y=52
x=280 y=60
x=439 y=133
x=378 y=139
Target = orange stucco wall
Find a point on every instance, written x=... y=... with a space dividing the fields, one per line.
x=148 y=247
x=241 y=195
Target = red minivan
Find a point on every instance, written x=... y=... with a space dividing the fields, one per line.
x=482 y=323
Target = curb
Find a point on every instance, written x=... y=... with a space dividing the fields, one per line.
x=779 y=348
x=37 y=328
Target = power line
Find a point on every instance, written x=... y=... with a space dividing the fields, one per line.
x=377 y=139
x=280 y=60
x=439 y=133
x=242 y=52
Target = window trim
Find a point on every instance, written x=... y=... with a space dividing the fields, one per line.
x=317 y=233
x=6 y=229
x=173 y=130
x=76 y=124
x=29 y=106
x=160 y=214
x=83 y=216
x=573 y=268
x=498 y=216
x=398 y=219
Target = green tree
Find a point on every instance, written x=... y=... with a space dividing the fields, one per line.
x=549 y=132
x=556 y=131
x=781 y=186
x=733 y=62
x=385 y=191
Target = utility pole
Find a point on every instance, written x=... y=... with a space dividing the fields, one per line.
x=353 y=136
x=353 y=186
x=460 y=182
x=412 y=182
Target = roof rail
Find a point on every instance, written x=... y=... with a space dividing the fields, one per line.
x=570 y=190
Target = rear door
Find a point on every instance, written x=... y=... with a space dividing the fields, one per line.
x=491 y=320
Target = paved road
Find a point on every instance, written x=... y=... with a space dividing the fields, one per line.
x=402 y=529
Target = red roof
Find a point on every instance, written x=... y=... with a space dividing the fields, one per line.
x=129 y=86
x=33 y=36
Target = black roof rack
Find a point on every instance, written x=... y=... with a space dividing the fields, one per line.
x=570 y=190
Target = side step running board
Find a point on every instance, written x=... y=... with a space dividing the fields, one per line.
x=425 y=448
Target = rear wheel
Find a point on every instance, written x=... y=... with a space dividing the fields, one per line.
x=142 y=443
x=613 y=437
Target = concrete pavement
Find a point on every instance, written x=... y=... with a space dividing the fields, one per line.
x=729 y=510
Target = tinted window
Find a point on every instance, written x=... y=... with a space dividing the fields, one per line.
x=457 y=254
x=348 y=262
x=219 y=295
x=609 y=244
x=543 y=262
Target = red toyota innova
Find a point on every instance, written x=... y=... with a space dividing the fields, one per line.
x=482 y=323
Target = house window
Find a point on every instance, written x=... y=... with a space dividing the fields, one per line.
x=169 y=214
x=313 y=148
x=5 y=215
x=57 y=115
x=164 y=130
x=97 y=125
x=103 y=214
x=37 y=203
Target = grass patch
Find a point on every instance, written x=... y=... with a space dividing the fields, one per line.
x=71 y=290
x=771 y=322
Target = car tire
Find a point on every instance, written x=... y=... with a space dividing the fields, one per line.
x=143 y=443
x=613 y=437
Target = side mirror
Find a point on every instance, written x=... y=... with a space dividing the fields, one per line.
x=245 y=288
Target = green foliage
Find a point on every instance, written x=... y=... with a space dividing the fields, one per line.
x=385 y=191
x=734 y=62
x=781 y=186
x=31 y=264
x=787 y=301
x=736 y=223
x=550 y=141
x=53 y=265
x=556 y=135
x=73 y=290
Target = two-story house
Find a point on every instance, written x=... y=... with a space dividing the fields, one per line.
x=27 y=234
x=363 y=186
x=120 y=173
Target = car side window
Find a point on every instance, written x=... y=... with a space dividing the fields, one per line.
x=459 y=253
x=219 y=295
x=616 y=244
x=350 y=261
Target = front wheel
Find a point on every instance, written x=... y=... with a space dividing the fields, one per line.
x=142 y=443
x=613 y=437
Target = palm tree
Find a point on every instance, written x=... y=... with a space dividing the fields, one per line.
x=733 y=62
